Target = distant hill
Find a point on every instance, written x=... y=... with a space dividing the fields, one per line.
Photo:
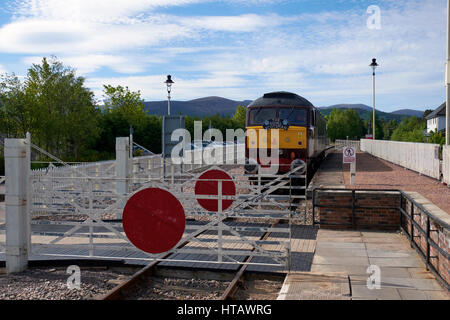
x=365 y=112
x=210 y=106
x=348 y=106
x=409 y=112
x=202 y=107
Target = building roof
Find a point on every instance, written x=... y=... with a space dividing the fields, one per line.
x=438 y=112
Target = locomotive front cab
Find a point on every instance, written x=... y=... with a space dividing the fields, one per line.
x=281 y=121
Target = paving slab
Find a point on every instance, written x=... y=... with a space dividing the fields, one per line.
x=364 y=293
x=342 y=239
x=390 y=253
x=413 y=262
x=377 y=234
x=408 y=294
x=348 y=245
x=343 y=261
x=386 y=246
x=393 y=240
x=341 y=252
x=315 y=286
x=420 y=273
x=437 y=295
x=324 y=233
x=351 y=270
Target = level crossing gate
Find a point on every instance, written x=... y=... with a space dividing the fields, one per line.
x=74 y=210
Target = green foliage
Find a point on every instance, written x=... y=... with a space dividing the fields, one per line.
x=437 y=138
x=343 y=123
x=240 y=116
x=124 y=109
x=389 y=128
x=410 y=129
x=53 y=104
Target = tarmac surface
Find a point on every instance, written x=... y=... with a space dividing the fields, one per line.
x=375 y=173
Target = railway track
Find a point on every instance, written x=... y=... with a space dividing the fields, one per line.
x=153 y=281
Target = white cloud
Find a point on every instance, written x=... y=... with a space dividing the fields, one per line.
x=323 y=56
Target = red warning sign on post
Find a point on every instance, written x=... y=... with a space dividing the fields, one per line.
x=349 y=155
x=154 y=220
x=208 y=184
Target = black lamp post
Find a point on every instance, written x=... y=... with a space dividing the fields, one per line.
x=374 y=65
x=169 y=83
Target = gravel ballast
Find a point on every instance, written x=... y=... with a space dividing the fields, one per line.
x=51 y=284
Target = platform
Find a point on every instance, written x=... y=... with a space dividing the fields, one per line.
x=348 y=254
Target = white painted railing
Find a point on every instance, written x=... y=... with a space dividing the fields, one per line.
x=339 y=144
x=419 y=157
x=446 y=164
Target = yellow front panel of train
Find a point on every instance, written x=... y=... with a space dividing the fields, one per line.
x=293 y=138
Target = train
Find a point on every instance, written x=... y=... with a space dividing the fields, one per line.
x=302 y=133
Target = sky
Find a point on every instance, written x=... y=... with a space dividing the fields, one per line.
x=239 y=49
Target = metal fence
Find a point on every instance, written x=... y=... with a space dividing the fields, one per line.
x=420 y=157
x=446 y=165
x=339 y=144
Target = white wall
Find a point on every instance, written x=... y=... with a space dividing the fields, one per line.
x=446 y=164
x=436 y=123
x=420 y=157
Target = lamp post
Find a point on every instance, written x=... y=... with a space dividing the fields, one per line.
x=374 y=65
x=169 y=83
x=447 y=108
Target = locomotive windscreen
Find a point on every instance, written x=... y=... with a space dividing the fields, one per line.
x=294 y=116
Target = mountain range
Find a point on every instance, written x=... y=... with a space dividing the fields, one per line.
x=210 y=106
x=202 y=107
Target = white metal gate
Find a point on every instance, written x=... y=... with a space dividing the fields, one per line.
x=74 y=210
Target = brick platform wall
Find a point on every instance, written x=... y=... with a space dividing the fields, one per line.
x=373 y=210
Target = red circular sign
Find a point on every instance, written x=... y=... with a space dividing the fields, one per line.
x=154 y=220
x=208 y=184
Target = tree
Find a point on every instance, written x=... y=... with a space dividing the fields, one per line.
x=410 y=129
x=344 y=123
x=240 y=116
x=53 y=104
x=437 y=138
x=125 y=109
x=388 y=128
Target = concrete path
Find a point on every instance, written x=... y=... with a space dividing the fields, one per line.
x=329 y=175
x=403 y=274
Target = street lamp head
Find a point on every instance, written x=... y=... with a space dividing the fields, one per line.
x=169 y=83
x=374 y=64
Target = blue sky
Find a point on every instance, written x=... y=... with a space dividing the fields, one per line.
x=237 y=49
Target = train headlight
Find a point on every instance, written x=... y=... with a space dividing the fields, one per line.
x=296 y=164
x=251 y=166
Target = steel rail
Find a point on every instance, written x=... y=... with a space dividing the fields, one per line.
x=120 y=291
x=233 y=285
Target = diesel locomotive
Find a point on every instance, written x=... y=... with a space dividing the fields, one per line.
x=302 y=132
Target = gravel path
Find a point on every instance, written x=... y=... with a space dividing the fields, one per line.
x=51 y=284
x=375 y=173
